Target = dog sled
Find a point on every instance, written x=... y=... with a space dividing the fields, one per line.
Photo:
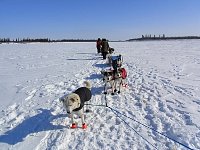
x=115 y=61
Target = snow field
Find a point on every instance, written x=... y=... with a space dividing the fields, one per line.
x=163 y=93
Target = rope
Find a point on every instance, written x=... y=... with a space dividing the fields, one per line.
x=106 y=106
x=133 y=129
x=175 y=141
x=96 y=105
x=116 y=112
x=106 y=101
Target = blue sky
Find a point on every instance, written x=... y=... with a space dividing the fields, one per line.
x=90 y=19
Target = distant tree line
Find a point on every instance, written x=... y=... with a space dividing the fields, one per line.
x=152 y=37
x=4 y=40
x=29 y=40
x=18 y=40
x=162 y=37
x=74 y=40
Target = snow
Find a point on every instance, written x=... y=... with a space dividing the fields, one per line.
x=163 y=93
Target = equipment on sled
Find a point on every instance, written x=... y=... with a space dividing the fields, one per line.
x=123 y=72
x=116 y=61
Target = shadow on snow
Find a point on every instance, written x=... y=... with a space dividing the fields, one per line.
x=80 y=59
x=35 y=124
x=94 y=76
x=97 y=90
x=87 y=53
x=103 y=66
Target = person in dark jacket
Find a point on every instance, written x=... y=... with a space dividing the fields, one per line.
x=104 y=48
x=98 y=45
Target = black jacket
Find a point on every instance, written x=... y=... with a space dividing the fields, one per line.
x=84 y=94
x=105 y=46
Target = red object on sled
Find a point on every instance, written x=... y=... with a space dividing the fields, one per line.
x=73 y=126
x=84 y=126
x=124 y=73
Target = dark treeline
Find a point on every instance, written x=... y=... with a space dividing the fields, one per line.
x=73 y=40
x=29 y=40
x=162 y=37
x=48 y=40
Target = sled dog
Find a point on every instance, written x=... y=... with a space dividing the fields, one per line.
x=75 y=101
x=120 y=77
x=109 y=59
x=108 y=78
x=116 y=79
x=109 y=55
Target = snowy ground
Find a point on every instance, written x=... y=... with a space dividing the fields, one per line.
x=163 y=93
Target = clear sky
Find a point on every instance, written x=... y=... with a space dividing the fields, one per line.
x=90 y=19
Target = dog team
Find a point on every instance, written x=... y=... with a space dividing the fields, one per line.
x=75 y=102
x=116 y=75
